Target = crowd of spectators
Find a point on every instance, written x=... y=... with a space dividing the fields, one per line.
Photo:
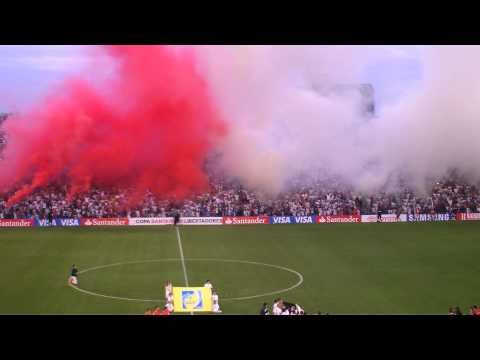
x=474 y=310
x=229 y=198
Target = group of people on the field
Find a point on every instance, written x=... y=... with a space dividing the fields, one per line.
x=281 y=307
x=474 y=310
x=157 y=311
x=169 y=302
x=168 y=308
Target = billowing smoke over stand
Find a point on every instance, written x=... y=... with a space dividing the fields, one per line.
x=270 y=112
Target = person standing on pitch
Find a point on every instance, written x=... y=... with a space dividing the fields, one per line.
x=216 y=305
x=73 y=279
x=379 y=215
x=169 y=305
x=168 y=289
x=176 y=219
x=208 y=284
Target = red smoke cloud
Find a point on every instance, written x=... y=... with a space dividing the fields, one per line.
x=148 y=125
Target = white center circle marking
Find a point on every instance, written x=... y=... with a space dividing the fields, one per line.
x=297 y=284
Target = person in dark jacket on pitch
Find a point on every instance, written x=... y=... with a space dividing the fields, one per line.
x=264 y=310
x=73 y=279
x=176 y=219
x=398 y=213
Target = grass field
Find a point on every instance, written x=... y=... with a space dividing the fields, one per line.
x=403 y=268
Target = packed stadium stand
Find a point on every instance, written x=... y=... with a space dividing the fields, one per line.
x=229 y=198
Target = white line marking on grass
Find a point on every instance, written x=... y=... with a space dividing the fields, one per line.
x=300 y=281
x=299 y=275
x=181 y=257
x=125 y=263
x=114 y=297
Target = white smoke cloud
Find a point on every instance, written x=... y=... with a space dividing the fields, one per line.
x=281 y=124
x=436 y=127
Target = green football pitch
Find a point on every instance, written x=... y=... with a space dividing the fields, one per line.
x=403 y=268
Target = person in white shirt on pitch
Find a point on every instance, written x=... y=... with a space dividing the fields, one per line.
x=208 y=284
x=168 y=289
x=285 y=311
x=216 y=305
x=276 y=308
x=300 y=311
x=169 y=304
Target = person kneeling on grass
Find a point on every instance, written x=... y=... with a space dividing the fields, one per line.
x=156 y=311
x=475 y=310
x=176 y=219
x=166 y=311
x=73 y=279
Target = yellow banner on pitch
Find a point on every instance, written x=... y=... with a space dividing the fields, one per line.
x=192 y=299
